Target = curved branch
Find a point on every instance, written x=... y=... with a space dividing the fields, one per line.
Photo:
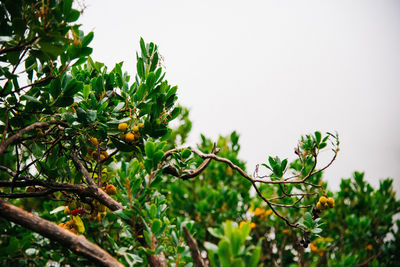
x=77 y=244
x=169 y=169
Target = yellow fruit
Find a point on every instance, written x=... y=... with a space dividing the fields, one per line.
x=61 y=225
x=105 y=154
x=326 y=206
x=141 y=125
x=136 y=129
x=122 y=127
x=331 y=202
x=94 y=141
x=323 y=200
x=259 y=212
x=102 y=157
x=67 y=211
x=111 y=190
x=129 y=137
x=319 y=206
x=70 y=224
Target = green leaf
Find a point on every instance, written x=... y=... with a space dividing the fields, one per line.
x=31 y=251
x=176 y=112
x=148 y=237
x=322 y=145
x=149 y=149
x=86 y=91
x=211 y=247
x=238 y=263
x=224 y=253
x=245 y=231
x=154 y=62
x=316 y=230
x=156 y=226
x=73 y=15
x=236 y=242
x=121 y=214
x=30 y=99
x=82 y=116
x=64 y=101
x=140 y=68
x=308 y=217
x=118 y=107
x=140 y=92
x=255 y=257
x=153 y=211
x=186 y=153
x=92 y=115
x=143 y=48
x=215 y=232
x=37 y=150
x=150 y=81
x=317 y=137
x=158 y=156
x=87 y=39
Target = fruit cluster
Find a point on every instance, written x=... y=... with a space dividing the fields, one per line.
x=93 y=153
x=70 y=226
x=130 y=135
x=94 y=211
x=325 y=203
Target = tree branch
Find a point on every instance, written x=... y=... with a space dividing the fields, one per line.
x=194 y=248
x=13 y=139
x=82 y=191
x=99 y=194
x=169 y=169
x=77 y=244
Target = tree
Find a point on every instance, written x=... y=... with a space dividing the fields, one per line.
x=90 y=165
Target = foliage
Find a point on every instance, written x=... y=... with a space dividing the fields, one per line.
x=92 y=150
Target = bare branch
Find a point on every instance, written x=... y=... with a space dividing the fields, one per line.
x=169 y=169
x=82 y=191
x=13 y=139
x=79 y=166
x=17 y=47
x=194 y=248
x=27 y=194
x=77 y=244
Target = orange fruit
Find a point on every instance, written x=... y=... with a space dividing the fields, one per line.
x=122 y=127
x=129 y=137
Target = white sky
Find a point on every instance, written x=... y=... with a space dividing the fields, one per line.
x=272 y=71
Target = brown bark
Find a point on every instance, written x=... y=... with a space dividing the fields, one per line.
x=194 y=249
x=99 y=194
x=83 y=191
x=77 y=244
x=19 y=135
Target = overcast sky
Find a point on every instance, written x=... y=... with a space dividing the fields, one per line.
x=272 y=71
